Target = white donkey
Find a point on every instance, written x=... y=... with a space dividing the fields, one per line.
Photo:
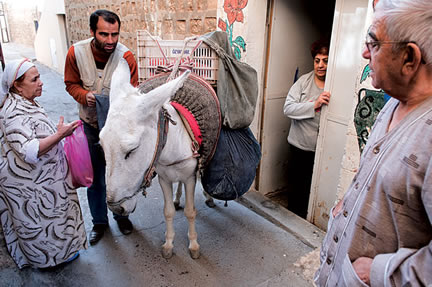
x=129 y=139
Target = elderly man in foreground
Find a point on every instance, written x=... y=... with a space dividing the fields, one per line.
x=380 y=233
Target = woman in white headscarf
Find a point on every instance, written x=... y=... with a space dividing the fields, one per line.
x=39 y=209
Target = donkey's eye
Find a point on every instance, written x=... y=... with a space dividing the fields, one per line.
x=130 y=152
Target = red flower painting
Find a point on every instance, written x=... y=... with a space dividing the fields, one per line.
x=222 y=25
x=234 y=8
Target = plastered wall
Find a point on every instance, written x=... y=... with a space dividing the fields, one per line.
x=50 y=43
x=20 y=19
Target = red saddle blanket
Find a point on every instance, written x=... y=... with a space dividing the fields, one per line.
x=191 y=121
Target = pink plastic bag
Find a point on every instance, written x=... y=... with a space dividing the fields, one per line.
x=78 y=157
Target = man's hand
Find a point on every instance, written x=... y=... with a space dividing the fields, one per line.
x=91 y=99
x=323 y=99
x=337 y=208
x=362 y=266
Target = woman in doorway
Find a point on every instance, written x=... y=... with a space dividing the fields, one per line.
x=39 y=209
x=303 y=106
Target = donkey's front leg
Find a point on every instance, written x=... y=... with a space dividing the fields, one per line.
x=169 y=212
x=178 y=196
x=190 y=213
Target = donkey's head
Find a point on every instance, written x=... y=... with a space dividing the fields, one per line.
x=129 y=136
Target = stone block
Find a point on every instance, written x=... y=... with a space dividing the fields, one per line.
x=196 y=26
x=209 y=24
x=201 y=5
x=189 y=5
x=146 y=6
x=162 y=5
x=152 y=6
x=180 y=5
x=123 y=6
x=142 y=25
x=212 y=5
x=181 y=27
x=133 y=8
x=167 y=27
x=172 y=6
x=151 y=26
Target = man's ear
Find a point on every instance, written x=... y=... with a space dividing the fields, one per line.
x=92 y=33
x=412 y=58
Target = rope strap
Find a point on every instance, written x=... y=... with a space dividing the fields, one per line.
x=162 y=130
x=181 y=64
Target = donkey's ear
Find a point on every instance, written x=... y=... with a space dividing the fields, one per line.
x=120 y=81
x=160 y=95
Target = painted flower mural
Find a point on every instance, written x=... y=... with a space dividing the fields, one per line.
x=234 y=11
x=234 y=8
x=369 y=104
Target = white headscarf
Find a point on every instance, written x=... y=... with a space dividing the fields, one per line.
x=13 y=70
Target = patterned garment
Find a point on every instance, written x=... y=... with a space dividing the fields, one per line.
x=387 y=210
x=39 y=209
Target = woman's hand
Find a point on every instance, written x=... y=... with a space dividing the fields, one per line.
x=323 y=99
x=64 y=130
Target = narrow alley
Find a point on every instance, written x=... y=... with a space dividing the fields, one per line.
x=251 y=242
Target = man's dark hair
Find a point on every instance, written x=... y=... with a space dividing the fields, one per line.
x=108 y=16
x=320 y=46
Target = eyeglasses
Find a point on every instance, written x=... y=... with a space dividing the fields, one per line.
x=372 y=44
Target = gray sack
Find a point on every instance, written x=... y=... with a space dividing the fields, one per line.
x=237 y=83
x=102 y=107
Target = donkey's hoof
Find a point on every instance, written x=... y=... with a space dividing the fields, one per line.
x=210 y=203
x=195 y=254
x=167 y=253
x=177 y=206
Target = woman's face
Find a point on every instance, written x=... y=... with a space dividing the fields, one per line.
x=320 y=66
x=31 y=85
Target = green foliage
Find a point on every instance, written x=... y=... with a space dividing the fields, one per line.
x=240 y=42
x=366 y=112
x=365 y=74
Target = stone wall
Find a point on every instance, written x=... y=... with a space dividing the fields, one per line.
x=169 y=19
x=21 y=25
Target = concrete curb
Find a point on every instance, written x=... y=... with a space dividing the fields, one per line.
x=302 y=229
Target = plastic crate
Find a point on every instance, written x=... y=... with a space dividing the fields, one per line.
x=204 y=59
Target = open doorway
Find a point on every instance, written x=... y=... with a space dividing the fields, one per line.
x=293 y=27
